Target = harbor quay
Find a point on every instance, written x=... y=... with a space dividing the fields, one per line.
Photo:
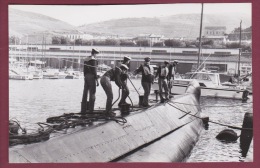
x=58 y=56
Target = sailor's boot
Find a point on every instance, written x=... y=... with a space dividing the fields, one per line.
x=83 y=108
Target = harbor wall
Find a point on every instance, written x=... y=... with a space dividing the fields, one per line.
x=111 y=141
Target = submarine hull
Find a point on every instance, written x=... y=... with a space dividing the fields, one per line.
x=165 y=132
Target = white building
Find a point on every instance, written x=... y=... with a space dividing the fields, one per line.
x=151 y=37
x=155 y=38
x=215 y=33
x=78 y=35
x=215 y=30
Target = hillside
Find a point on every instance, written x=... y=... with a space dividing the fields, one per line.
x=22 y=23
x=182 y=25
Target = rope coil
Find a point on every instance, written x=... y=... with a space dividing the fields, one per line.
x=58 y=123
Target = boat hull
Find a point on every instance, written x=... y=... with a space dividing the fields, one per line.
x=213 y=92
x=19 y=77
x=225 y=92
x=37 y=76
x=50 y=77
x=69 y=77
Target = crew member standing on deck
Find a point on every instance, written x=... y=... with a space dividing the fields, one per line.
x=171 y=75
x=91 y=81
x=163 y=73
x=147 y=79
x=124 y=76
x=113 y=74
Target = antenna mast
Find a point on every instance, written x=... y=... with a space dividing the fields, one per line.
x=201 y=18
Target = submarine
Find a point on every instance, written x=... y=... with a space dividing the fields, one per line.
x=164 y=132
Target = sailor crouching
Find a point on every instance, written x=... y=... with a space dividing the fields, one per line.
x=113 y=74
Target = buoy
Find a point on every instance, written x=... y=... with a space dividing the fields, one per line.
x=227 y=135
x=246 y=134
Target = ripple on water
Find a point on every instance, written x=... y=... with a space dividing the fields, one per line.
x=208 y=148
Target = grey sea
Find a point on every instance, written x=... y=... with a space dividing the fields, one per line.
x=34 y=101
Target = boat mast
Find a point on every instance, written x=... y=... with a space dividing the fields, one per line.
x=201 y=18
x=240 y=49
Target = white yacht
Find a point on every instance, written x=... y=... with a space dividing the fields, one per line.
x=35 y=67
x=18 y=70
x=210 y=85
x=49 y=73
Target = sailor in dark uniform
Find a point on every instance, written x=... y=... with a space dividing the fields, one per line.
x=171 y=75
x=147 y=79
x=125 y=92
x=91 y=81
x=163 y=73
x=113 y=74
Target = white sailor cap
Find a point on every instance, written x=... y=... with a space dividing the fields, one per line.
x=94 y=51
x=166 y=62
x=127 y=57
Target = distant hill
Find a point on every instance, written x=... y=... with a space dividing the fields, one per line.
x=22 y=23
x=181 y=25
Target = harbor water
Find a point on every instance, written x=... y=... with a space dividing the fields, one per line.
x=33 y=101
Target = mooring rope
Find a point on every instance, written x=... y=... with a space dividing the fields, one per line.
x=24 y=131
x=131 y=102
x=109 y=110
x=133 y=85
x=62 y=122
x=233 y=127
x=57 y=124
x=242 y=104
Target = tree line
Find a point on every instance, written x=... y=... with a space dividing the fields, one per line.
x=60 y=40
x=146 y=43
x=206 y=43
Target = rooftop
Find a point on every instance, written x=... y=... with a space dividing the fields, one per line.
x=215 y=27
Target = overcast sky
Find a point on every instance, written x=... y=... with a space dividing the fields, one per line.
x=83 y=14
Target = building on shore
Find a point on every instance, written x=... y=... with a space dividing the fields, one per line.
x=216 y=34
x=59 y=56
x=215 y=30
x=151 y=38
